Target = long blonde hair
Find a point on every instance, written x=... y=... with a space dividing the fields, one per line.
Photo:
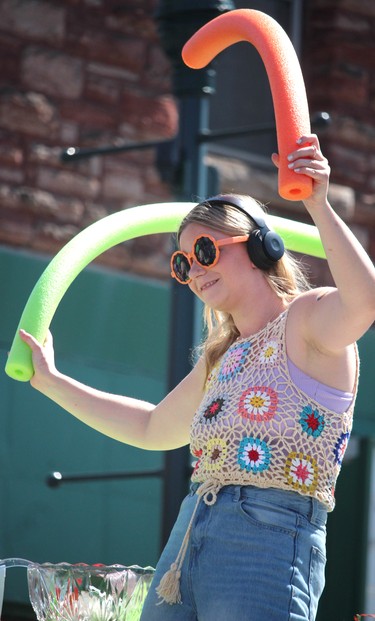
x=286 y=277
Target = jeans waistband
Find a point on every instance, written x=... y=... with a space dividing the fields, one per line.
x=311 y=508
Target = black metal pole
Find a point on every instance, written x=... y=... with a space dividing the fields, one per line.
x=56 y=478
x=178 y=20
x=176 y=465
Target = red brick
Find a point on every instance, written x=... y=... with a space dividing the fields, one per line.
x=350 y=23
x=69 y=132
x=50 y=237
x=365 y=212
x=46 y=154
x=360 y=136
x=126 y=185
x=108 y=71
x=67 y=182
x=11 y=175
x=358 y=55
x=102 y=90
x=52 y=72
x=15 y=231
x=50 y=156
x=29 y=113
x=38 y=202
x=130 y=160
x=34 y=19
x=350 y=167
x=132 y=22
x=365 y=7
x=87 y=114
x=94 y=44
x=10 y=59
x=94 y=212
x=153 y=117
x=349 y=89
x=11 y=154
x=154 y=187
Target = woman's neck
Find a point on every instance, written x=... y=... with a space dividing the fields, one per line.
x=251 y=318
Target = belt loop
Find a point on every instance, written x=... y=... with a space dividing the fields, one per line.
x=193 y=488
x=237 y=493
x=318 y=514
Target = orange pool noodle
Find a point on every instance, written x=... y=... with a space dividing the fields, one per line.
x=284 y=75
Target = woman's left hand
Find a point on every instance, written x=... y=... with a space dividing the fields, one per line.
x=308 y=160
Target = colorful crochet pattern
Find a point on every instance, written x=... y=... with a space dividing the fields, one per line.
x=256 y=427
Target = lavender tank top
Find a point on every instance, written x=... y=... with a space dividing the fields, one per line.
x=331 y=398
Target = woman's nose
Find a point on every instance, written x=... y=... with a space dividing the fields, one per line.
x=196 y=270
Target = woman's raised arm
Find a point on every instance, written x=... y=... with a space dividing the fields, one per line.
x=336 y=317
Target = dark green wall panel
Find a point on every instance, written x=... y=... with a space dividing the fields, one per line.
x=364 y=420
x=110 y=331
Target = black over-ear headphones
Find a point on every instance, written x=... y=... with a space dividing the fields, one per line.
x=264 y=246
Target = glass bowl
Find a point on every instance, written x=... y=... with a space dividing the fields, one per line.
x=88 y=592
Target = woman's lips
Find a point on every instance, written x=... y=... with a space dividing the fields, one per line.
x=208 y=284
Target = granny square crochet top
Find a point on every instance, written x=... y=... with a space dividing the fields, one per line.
x=255 y=426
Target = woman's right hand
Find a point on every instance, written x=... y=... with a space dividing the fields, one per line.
x=43 y=358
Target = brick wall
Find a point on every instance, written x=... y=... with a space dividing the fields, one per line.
x=339 y=68
x=92 y=72
x=81 y=73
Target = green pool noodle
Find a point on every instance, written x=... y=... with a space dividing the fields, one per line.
x=99 y=237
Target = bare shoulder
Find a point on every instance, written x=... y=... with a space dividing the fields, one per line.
x=303 y=306
x=334 y=367
x=311 y=296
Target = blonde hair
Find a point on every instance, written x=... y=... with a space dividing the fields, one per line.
x=286 y=277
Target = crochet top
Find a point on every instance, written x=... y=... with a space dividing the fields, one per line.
x=255 y=426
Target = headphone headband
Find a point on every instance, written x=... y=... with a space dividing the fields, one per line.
x=239 y=203
x=265 y=247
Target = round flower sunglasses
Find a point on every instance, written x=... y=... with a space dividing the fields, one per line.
x=205 y=251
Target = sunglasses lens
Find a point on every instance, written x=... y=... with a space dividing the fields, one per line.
x=181 y=267
x=205 y=251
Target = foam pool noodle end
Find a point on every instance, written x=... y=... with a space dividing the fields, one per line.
x=99 y=237
x=284 y=74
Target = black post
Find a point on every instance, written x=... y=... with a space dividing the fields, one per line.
x=178 y=20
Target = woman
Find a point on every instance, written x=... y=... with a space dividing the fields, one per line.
x=267 y=409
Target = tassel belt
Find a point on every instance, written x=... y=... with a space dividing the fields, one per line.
x=169 y=587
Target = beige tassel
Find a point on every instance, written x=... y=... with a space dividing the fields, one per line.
x=169 y=587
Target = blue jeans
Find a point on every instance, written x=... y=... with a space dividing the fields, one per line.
x=255 y=554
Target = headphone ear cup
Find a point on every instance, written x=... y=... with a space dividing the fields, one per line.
x=273 y=246
x=265 y=250
x=256 y=252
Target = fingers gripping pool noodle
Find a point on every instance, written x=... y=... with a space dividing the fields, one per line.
x=284 y=75
x=99 y=237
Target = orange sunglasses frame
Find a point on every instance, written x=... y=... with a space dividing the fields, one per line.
x=218 y=243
